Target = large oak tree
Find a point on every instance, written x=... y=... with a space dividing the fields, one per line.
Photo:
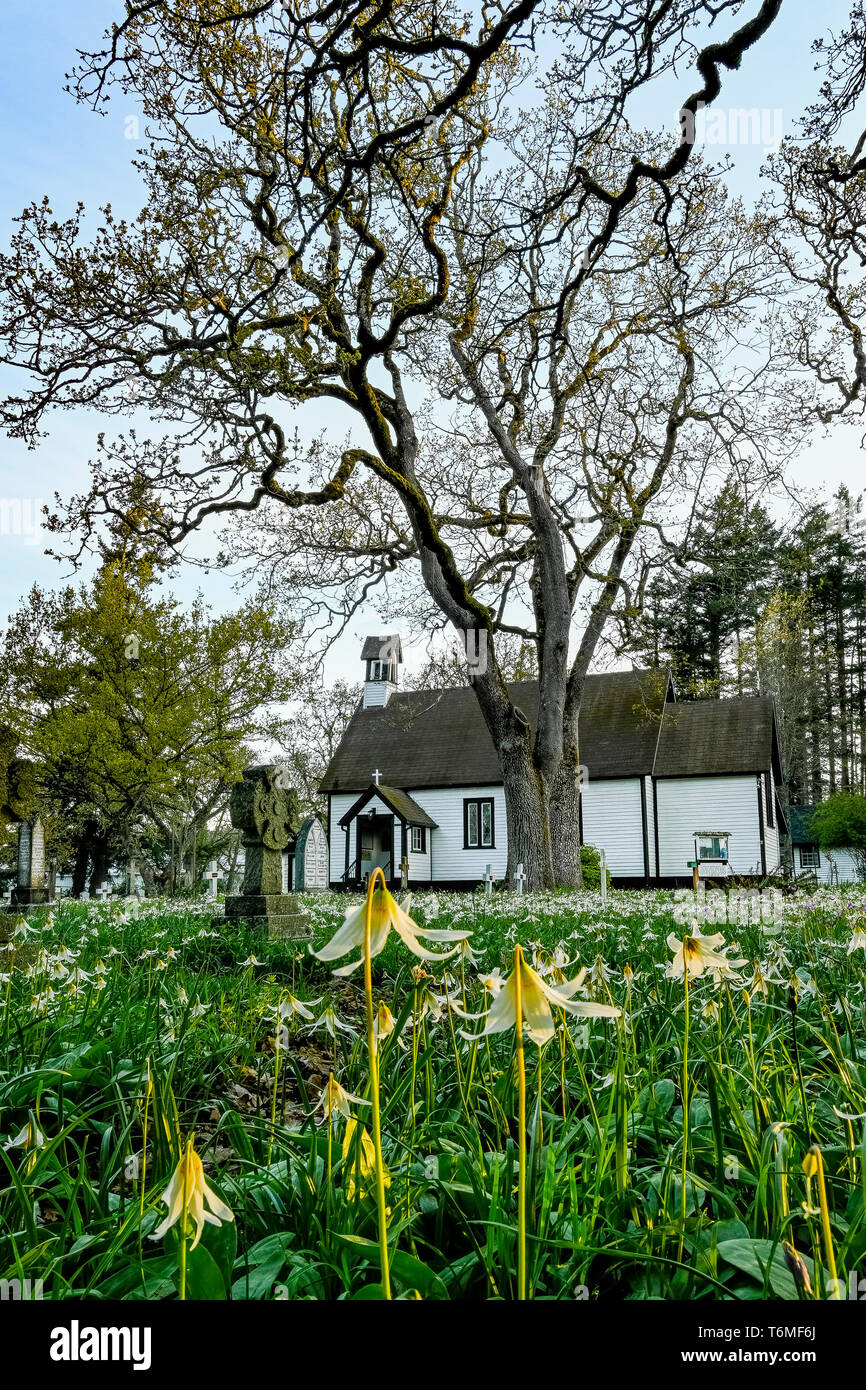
x=343 y=198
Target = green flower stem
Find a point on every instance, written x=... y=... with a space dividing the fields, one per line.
x=374 y=1088
x=521 y=1130
x=683 y=1202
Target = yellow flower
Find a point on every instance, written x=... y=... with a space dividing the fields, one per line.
x=537 y=997
x=696 y=954
x=385 y=914
x=385 y=1022
x=364 y=1159
x=188 y=1194
x=335 y=1101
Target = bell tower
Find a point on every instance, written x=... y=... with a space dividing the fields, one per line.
x=383 y=657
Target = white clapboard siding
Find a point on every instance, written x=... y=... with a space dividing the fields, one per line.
x=613 y=821
x=376 y=694
x=771 y=832
x=837 y=866
x=687 y=804
x=419 y=864
x=340 y=803
x=451 y=862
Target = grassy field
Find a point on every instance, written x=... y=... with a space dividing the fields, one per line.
x=128 y=1028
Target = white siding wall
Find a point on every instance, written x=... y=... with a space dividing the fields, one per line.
x=612 y=821
x=840 y=860
x=450 y=860
x=340 y=803
x=419 y=864
x=771 y=833
x=376 y=694
x=687 y=804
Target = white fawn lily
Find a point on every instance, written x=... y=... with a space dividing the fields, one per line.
x=385 y=914
x=187 y=1196
x=537 y=996
x=335 y=1101
x=695 y=954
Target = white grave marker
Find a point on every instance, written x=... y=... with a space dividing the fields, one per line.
x=488 y=880
x=520 y=878
x=213 y=875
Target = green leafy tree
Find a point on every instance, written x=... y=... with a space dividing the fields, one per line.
x=840 y=823
x=139 y=715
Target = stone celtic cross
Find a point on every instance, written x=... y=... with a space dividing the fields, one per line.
x=266 y=811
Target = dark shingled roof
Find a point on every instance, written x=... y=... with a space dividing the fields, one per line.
x=709 y=737
x=798 y=819
x=387 y=648
x=438 y=738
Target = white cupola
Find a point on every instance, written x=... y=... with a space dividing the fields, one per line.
x=383 y=657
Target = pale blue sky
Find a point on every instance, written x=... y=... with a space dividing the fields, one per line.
x=50 y=145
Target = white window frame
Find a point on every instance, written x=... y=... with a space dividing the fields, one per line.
x=713 y=847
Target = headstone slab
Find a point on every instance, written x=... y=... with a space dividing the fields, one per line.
x=311 y=857
x=266 y=812
x=30 y=890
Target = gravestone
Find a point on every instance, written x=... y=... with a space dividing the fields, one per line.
x=132 y=888
x=18 y=796
x=30 y=889
x=213 y=877
x=266 y=812
x=311 y=857
x=404 y=873
x=520 y=878
x=488 y=879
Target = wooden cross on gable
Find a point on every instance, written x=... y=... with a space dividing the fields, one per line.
x=488 y=880
x=376 y=775
x=213 y=876
x=520 y=878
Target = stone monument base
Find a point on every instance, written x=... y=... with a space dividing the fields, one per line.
x=30 y=897
x=275 y=914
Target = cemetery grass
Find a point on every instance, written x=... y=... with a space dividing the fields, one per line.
x=129 y=1027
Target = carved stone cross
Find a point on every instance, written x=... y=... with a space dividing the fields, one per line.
x=266 y=811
